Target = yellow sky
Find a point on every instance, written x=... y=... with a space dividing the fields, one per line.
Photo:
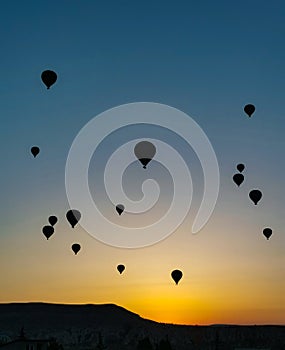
x=231 y=276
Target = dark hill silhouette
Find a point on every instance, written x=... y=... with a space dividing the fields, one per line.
x=78 y=327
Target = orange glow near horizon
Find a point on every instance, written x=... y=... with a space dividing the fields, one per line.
x=236 y=287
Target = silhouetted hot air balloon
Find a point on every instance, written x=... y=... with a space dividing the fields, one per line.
x=255 y=196
x=176 y=275
x=49 y=77
x=48 y=231
x=267 y=232
x=35 y=151
x=73 y=216
x=144 y=151
x=75 y=247
x=120 y=208
x=249 y=109
x=238 y=179
x=121 y=268
x=240 y=167
x=52 y=220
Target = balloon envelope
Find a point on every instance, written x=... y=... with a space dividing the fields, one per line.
x=176 y=275
x=238 y=179
x=240 y=167
x=249 y=109
x=49 y=77
x=73 y=216
x=48 y=231
x=120 y=208
x=144 y=151
x=75 y=247
x=35 y=151
x=267 y=232
x=255 y=196
x=121 y=268
x=52 y=220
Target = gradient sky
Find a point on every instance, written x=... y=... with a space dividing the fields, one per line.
x=207 y=59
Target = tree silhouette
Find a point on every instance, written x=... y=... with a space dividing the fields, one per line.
x=54 y=345
x=144 y=344
x=164 y=344
x=100 y=345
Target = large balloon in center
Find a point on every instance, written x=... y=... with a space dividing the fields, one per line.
x=73 y=216
x=144 y=151
x=49 y=77
x=176 y=276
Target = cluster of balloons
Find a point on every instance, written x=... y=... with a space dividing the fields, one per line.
x=144 y=151
x=255 y=195
x=73 y=216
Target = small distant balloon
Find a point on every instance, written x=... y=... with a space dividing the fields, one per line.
x=267 y=232
x=49 y=77
x=52 y=220
x=238 y=179
x=48 y=231
x=35 y=151
x=255 y=196
x=144 y=151
x=240 y=167
x=176 y=276
x=75 y=247
x=120 y=209
x=121 y=268
x=249 y=109
x=73 y=216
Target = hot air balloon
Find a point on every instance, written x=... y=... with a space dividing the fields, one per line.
x=238 y=179
x=48 y=231
x=75 y=247
x=73 y=216
x=240 y=167
x=121 y=268
x=52 y=220
x=249 y=109
x=267 y=232
x=49 y=77
x=255 y=196
x=120 y=208
x=176 y=276
x=144 y=151
x=35 y=151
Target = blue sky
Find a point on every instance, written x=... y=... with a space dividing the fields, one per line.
x=207 y=59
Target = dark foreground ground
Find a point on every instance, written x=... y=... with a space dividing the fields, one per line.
x=110 y=327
